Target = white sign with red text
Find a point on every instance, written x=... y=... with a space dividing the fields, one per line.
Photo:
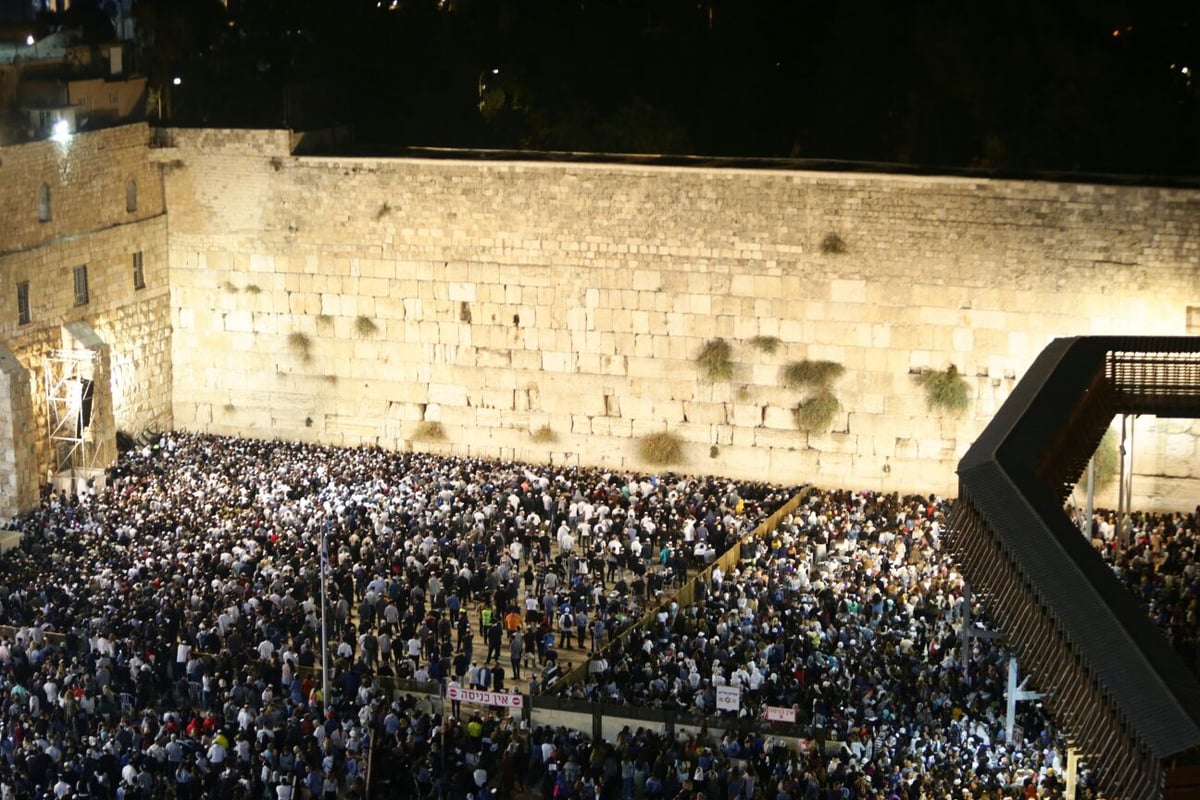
x=780 y=714
x=502 y=699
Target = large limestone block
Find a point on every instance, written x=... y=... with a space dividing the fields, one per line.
x=447 y=394
x=780 y=439
x=742 y=285
x=882 y=445
x=837 y=467
x=557 y=362
x=935 y=449
x=707 y=413
x=240 y=321
x=745 y=328
x=778 y=418
x=748 y=415
x=669 y=410
x=637 y=408
x=848 y=290
x=647 y=280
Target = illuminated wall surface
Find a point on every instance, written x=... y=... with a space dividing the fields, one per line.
x=92 y=201
x=355 y=301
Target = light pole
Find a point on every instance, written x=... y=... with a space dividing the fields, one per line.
x=324 y=628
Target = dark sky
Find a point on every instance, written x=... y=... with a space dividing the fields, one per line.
x=1022 y=85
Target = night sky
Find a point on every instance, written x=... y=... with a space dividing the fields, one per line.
x=1096 y=86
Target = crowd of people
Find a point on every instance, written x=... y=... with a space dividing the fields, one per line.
x=1155 y=555
x=165 y=629
x=163 y=633
x=850 y=614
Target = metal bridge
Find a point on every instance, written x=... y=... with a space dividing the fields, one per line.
x=1122 y=696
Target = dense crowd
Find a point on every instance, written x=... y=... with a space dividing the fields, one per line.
x=167 y=629
x=1156 y=557
x=165 y=635
x=851 y=615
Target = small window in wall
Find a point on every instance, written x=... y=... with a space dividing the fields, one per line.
x=1193 y=320
x=81 y=285
x=139 y=274
x=44 y=203
x=23 y=316
x=131 y=196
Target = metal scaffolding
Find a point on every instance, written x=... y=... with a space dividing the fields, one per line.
x=69 y=412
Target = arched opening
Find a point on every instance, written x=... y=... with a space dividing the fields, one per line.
x=44 y=203
x=131 y=196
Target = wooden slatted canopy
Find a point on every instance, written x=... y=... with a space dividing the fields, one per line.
x=1110 y=679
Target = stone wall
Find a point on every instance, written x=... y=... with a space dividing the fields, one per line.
x=356 y=300
x=94 y=180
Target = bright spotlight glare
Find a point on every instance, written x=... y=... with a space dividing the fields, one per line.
x=176 y=81
x=29 y=40
x=61 y=131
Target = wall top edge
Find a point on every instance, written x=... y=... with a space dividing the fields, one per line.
x=133 y=134
x=280 y=142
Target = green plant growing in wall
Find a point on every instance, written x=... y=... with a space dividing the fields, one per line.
x=252 y=288
x=324 y=320
x=429 y=431
x=301 y=344
x=713 y=451
x=945 y=390
x=765 y=344
x=544 y=435
x=365 y=326
x=1108 y=459
x=661 y=449
x=383 y=210
x=817 y=413
x=229 y=287
x=811 y=374
x=833 y=244
x=715 y=360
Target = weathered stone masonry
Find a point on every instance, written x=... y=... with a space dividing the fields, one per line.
x=357 y=301
x=93 y=181
x=351 y=300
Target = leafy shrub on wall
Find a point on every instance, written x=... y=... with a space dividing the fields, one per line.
x=544 y=435
x=661 y=449
x=428 y=431
x=715 y=360
x=811 y=374
x=1108 y=459
x=765 y=344
x=365 y=326
x=817 y=413
x=300 y=344
x=945 y=390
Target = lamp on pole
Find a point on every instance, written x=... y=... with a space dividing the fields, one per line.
x=324 y=627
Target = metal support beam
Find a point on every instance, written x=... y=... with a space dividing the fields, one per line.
x=969 y=632
x=1015 y=695
x=1072 y=773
